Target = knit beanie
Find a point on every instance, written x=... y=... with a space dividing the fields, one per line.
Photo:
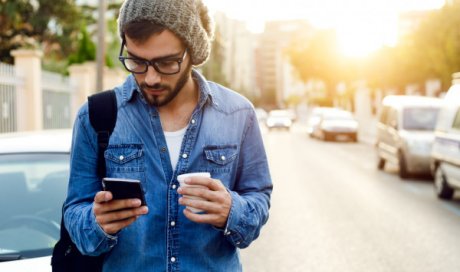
x=188 y=19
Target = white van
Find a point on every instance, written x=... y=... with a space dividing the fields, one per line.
x=405 y=133
x=445 y=156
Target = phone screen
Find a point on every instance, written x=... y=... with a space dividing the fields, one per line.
x=124 y=188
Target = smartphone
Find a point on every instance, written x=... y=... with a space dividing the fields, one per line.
x=124 y=188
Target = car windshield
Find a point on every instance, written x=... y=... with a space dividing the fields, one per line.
x=31 y=230
x=338 y=115
x=279 y=113
x=420 y=118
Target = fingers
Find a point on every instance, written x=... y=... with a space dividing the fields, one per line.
x=206 y=194
x=103 y=196
x=200 y=204
x=119 y=215
x=212 y=184
x=114 y=227
x=217 y=220
x=113 y=215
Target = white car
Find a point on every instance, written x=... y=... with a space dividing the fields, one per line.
x=405 y=133
x=336 y=124
x=315 y=117
x=445 y=155
x=34 y=173
x=279 y=119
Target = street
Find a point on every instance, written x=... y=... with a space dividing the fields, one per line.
x=332 y=210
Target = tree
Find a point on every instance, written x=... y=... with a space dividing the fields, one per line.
x=431 y=51
x=86 y=48
x=51 y=24
x=438 y=42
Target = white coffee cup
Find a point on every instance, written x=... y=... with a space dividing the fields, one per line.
x=181 y=179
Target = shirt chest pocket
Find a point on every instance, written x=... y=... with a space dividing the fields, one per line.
x=124 y=158
x=219 y=158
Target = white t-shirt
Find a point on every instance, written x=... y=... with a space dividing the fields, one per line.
x=174 y=142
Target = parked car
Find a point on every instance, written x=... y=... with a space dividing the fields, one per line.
x=445 y=155
x=336 y=124
x=261 y=114
x=34 y=173
x=315 y=117
x=279 y=119
x=405 y=133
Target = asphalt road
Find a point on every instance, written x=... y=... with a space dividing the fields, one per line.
x=333 y=211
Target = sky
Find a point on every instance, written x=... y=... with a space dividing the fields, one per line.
x=362 y=25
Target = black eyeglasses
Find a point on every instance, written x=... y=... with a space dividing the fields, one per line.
x=165 y=66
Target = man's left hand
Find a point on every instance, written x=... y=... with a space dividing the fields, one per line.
x=216 y=201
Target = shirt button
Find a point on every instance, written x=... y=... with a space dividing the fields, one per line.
x=184 y=155
x=163 y=149
x=173 y=259
x=173 y=223
x=228 y=233
x=222 y=158
x=193 y=121
x=174 y=186
x=121 y=157
x=238 y=242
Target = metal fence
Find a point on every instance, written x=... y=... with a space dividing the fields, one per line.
x=57 y=95
x=9 y=82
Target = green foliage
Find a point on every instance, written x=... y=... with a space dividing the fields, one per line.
x=86 y=49
x=431 y=51
x=51 y=24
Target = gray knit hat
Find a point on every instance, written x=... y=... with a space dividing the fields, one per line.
x=188 y=19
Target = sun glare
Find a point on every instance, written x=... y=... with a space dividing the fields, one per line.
x=362 y=26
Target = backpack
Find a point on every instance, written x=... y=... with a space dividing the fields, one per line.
x=102 y=116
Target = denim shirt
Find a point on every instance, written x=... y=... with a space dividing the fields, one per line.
x=223 y=138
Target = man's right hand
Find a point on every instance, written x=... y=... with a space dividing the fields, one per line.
x=114 y=215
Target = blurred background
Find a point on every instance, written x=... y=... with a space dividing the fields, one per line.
x=279 y=54
x=358 y=102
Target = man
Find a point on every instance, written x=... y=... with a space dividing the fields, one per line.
x=170 y=121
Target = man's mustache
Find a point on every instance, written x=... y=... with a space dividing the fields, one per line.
x=157 y=86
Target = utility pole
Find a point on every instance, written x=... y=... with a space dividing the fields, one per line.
x=100 y=56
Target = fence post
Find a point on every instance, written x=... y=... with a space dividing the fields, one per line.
x=84 y=75
x=29 y=98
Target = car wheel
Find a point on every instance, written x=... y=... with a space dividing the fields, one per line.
x=354 y=138
x=403 y=172
x=381 y=163
x=442 y=188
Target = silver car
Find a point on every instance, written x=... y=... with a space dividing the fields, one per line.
x=34 y=173
x=336 y=124
x=445 y=156
x=405 y=133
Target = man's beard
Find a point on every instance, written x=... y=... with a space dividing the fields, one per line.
x=170 y=92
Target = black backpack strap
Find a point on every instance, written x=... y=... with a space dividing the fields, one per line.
x=102 y=116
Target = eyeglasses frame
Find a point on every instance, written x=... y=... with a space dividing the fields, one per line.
x=152 y=62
